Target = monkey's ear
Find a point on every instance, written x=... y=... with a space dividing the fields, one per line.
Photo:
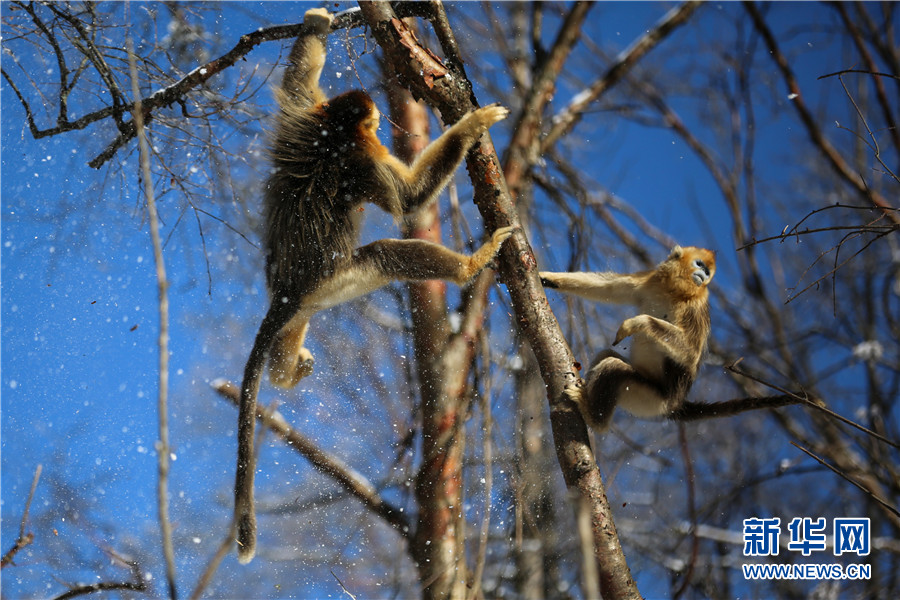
x=676 y=252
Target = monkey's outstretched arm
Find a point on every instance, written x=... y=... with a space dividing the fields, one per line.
x=420 y=183
x=306 y=61
x=609 y=288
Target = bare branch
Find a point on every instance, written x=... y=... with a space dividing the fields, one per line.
x=837 y=162
x=846 y=477
x=869 y=60
x=811 y=402
x=168 y=95
x=24 y=538
x=330 y=465
x=106 y=586
x=524 y=147
x=162 y=446
x=487 y=456
x=566 y=119
x=692 y=512
x=518 y=269
x=213 y=565
x=137 y=584
x=341 y=583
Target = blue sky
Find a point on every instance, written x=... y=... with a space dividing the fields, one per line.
x=79 y=314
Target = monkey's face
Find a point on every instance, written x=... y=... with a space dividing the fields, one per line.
x=701 y=273
x=702 y=265
x=697 y=264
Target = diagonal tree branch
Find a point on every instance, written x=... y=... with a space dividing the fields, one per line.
x=834 y=158
x=170 y=94
x=162 y=283
x=355 y=483
x=525 y=145
x=566 y=120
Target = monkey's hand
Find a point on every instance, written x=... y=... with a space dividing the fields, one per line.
x=501 y=234
x=485 y=116
x=318 y=20
x=628 y=328
x=575 y=391
x=546 y=281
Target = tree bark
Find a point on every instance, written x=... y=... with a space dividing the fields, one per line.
x=420 y=70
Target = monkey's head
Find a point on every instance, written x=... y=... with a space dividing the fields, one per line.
x=353 y=118
x=697 y=265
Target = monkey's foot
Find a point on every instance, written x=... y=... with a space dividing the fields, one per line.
x=285 y=376
x=318 y=20
x=487 y=116
x=501 y=234
x=575 y=391
x=304 y=365
x=484 y=255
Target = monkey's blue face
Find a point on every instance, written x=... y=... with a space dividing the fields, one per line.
x=701 y=273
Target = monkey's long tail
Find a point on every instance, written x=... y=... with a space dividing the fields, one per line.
x=244 y=512
x=694 y=411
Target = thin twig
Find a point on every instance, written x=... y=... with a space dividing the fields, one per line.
x=863 y=71
x=215 y=561
x=873 y=141
x=341 y=583
x=836 y=267
x=847 y=477
x=84 y=590
x=24 y=538
x=487 y=451
x=804 y=399
x=565 y=120
x=692 y=512
x=178 y=90
x=816 y=136
x=796 y=234
x=518 y=268
x=859 y=39
x=34 y=482
x=162 y=446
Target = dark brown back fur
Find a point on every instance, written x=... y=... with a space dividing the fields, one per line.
x=311 y=208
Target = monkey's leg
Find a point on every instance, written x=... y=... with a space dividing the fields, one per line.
x=289 y=360
x=419 y=260
x=278 y=316
x=611 y=381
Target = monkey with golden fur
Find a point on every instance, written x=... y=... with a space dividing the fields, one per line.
x=668 y=336
x=327 y=163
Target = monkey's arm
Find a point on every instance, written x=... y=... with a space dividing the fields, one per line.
x=609 y=288
x=670 y=338
x=420 y=183
x=306 y=61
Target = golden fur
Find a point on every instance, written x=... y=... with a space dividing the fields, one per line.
x=668 y=336
x=327 y=163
